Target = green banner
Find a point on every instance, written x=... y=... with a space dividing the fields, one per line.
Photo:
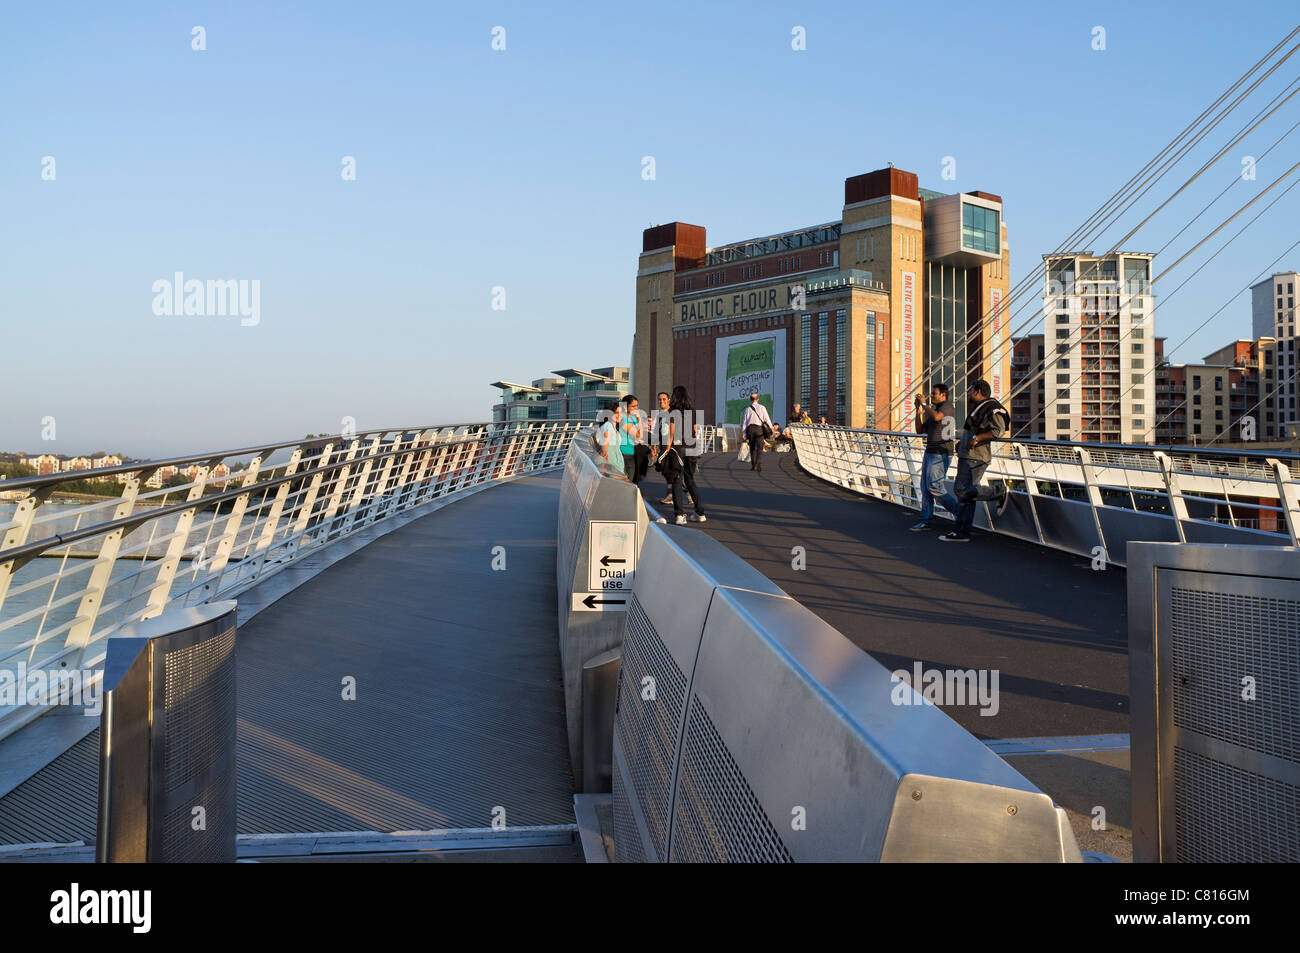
x=750 y=367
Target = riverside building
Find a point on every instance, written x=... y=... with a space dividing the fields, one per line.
x=842 y=317
x=1273 y=316
x=1099 y=362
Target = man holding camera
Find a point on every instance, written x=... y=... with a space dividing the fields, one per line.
x=937 y=422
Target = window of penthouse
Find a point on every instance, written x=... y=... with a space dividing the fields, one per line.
x=1136 y=275
x=979 y=228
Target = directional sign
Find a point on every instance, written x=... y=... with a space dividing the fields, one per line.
x=600 y=601
x=611 y=564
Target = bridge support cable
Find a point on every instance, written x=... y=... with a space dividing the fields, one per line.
x=1034 y=278
x=1258 y=119
x=1126 y=197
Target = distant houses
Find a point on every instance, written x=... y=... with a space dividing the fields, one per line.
x=46 y=464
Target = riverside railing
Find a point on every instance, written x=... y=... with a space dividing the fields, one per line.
x=1091 y=499
x=219 y=523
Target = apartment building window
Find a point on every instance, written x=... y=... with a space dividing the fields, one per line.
x=1218 y=415
x=1062 y=349
x=1062 y=409
x=1138 y=379
x=1218 y=400
x=871 y=368
x=805 y=359
x=1062 y=332
x=1136 y=332
x=1062 y=436
x=1137 y=348
x=979 y=228
x=1138 y=362
x=1065 y=362
x=1062 y=378
x=1063 y=393
x=1062 y=319
x=1196 y=381
x=823 y=361
x=1218 y=383
x=1139 y=408
x=841 y=349
x=1196 y=399
x=1196 y=415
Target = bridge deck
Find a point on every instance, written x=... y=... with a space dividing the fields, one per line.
x=459 y=707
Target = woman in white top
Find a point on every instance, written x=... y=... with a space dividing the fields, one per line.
x=751 y=426
x=608 y=443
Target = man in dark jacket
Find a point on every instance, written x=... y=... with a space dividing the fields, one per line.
x=987 y=421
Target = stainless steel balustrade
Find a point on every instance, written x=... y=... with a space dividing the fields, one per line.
x=1085 y=498
x=591 y=491
x=215 y=536
x=750 y=730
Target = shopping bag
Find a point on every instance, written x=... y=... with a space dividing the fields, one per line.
x=743 y=456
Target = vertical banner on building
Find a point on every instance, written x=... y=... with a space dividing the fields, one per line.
x=995 y=342
x=748 y=363
x=909 y=332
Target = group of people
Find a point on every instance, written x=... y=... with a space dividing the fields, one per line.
x=630 y=439
x=987 y=421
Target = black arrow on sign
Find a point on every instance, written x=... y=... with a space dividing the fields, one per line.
x=591 y=602
x=606 y=560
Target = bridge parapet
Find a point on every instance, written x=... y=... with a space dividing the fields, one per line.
x=1085 y=498
x=187 y=530
x=750 y=730
x=602 y=524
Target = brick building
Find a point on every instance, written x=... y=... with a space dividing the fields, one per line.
x=842 y=317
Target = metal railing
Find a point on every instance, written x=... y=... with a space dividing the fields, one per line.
x=1086 y=498
x=71 y=575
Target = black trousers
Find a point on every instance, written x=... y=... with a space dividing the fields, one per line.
x=755 y=437
x=630 y=467
x=688 y=478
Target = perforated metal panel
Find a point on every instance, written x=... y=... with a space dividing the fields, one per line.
x=1219 y=638
x=167 y=748
x=198 y=749
x=716 y=816
x=198 y=703
x=627 y=842
x=647 y=729
x=1214 y=649
x=1227 y=814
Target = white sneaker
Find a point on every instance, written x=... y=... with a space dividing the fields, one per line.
x=699 y=518
x=681 y=521
x=661 y=520
x=667 y=499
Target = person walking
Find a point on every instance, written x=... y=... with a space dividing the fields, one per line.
x=680 y=402
x=668 y=460
x=987 y=421
x=937 y=422
x=756 y=425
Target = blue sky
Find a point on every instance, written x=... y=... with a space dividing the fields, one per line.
x=522 y=169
